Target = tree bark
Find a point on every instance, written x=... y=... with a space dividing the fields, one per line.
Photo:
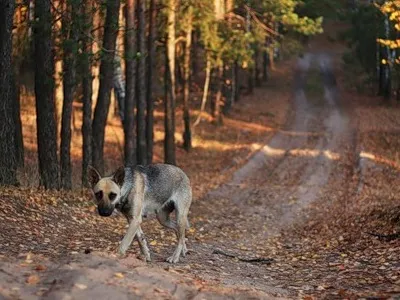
x=236 y=82
x=205 y=90
x=141 y=82
x=265 y=65
x=187 y=134
x=257 y=80
x=106 y=83
x=87 y=90
x=218 y=96
x=44 y=91
x=169 y=141
x=19 y=140
x=150 y=70
x=8 y=159
x=70 y=35
x=130 y=79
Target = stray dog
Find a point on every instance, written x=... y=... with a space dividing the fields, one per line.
x=138 y=191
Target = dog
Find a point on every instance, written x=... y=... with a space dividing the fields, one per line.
x=142 y=190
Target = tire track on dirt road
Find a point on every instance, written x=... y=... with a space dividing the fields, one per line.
x=273 y=190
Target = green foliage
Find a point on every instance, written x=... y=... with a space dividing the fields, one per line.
x=317 y=8
x=253 y=23
x=367 y=26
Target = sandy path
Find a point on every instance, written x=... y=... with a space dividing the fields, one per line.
x=272 y=191
x=265 y=197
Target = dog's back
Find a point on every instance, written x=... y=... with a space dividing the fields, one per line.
x=164 y=183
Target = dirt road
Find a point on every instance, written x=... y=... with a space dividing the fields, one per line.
x=273 y=190
x=243 y=242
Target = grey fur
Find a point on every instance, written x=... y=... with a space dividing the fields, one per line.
x=158 y=189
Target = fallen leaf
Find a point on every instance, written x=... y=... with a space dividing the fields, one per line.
x=40 y=268
x=32 y=279
x=81 y=286
x=119 y=275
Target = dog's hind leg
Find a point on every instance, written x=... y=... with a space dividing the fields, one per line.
x=182 y=210
x=143 y=244
x=181 y=247
x=163 y=216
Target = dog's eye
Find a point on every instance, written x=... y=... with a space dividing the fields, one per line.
x=112 y=196
x=99 y=195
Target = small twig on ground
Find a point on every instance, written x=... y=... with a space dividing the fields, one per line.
x=388 y=237
x=250 y=260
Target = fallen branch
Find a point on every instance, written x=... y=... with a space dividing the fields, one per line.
x=388 y=237
x=250 y=260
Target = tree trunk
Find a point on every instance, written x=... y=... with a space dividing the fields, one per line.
x=70 y=35
x=195 y=53
x=87 y=90
x=19 y=140
x=130 y=79
x=236 y=80
x=169 y=142
x=187 y=134
x=218 y=96
x=141 y=84
x=150 y=70
x=119 y=88
x=265 y=65
x=8 y=159
x=106 y=83
x=257 y=80
x=44 y=92
x=205 y=90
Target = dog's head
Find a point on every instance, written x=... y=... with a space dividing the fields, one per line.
x=106 y=190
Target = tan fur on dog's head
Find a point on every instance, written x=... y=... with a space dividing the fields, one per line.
x=106 y=190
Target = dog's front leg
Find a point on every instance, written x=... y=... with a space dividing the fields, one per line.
x=135 y=215
x=130 y=234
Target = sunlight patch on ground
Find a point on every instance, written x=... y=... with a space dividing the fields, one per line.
x=379 y=159
x=270 y=151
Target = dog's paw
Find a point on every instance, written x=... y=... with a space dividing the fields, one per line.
x=121 y=251
x=148 y=258
x=173 y=259
x=184 y=251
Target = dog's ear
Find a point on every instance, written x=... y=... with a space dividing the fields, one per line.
x=119 y=176
x=93 y=176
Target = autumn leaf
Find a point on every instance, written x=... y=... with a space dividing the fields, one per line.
x=32 y=279
x=40 y=268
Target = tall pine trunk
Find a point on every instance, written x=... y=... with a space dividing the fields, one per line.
x=130 y=79
x=141 y=83
x=169 y=141
x=87 y=89
x=150 y=70
x=205 y=89
x=187 y=134
x=44 y=92
x=8 y=159
x=265 y=65
x=106 y=83
x=257 y=79
x=70 y=35
x=19 y=140
x=218 y=96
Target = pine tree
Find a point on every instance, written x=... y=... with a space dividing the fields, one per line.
x=106 y=83
x=44 y=92
x=8 y=159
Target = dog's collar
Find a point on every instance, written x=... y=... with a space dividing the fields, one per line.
x=126 y=187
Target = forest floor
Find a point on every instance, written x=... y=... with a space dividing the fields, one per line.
x=287 y=193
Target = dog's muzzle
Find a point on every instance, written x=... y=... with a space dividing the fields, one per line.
x=105 y=211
